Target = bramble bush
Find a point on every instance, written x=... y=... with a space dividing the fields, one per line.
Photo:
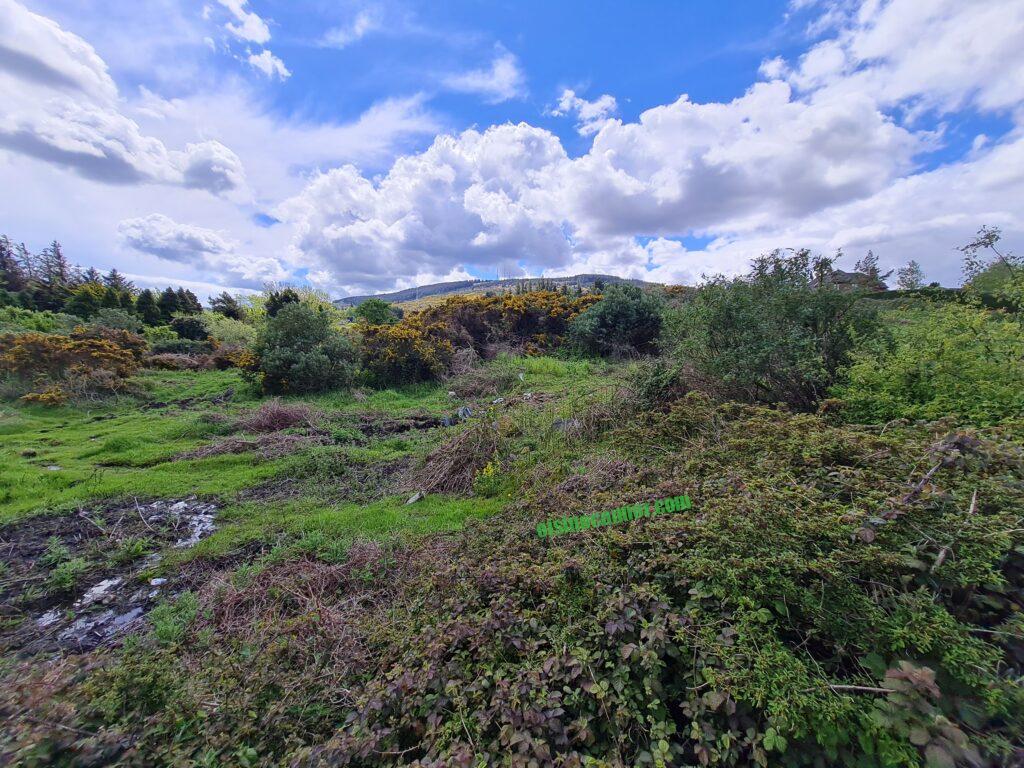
x=836 y=597
x=773 y=336
x=298 y=350
x=943 y=360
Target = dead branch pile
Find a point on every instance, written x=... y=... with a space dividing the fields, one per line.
x=451 y=467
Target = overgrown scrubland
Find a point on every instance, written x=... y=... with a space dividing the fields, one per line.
x=846 y=589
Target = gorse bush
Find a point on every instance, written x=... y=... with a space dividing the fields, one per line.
x=300 y=351
x=949 y=359
x=773 y=336
x=51 y=369
x=422 y=345
x=406 y=352
x=626 y=321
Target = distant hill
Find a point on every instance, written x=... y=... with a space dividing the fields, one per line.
x=481 y=286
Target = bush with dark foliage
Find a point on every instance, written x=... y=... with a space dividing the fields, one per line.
x=625 y=322
x=774 y=336
x=299 y=351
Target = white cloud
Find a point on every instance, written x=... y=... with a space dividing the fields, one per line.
x=269 y=65
x=502 y=81
x=247 y=25
x=61 y=106
x=943 y=55
x=165 y=238
x=161 y=236
x=512 y=196
x=591 y=115
x=365 y=22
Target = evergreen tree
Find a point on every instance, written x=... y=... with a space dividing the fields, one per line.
x=86 y=300
x=12 y=275
x=169 y=303
x=92 y=275
x=148 y=309
x=278 y=299
x=869 y=266
x=57 y=271
x=118 y=282
x=29 y=263
x=227 y=305
x=127 y=301
x=111 y=298
x=188 y=302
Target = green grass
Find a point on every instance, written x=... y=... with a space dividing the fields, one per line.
x=69 y=457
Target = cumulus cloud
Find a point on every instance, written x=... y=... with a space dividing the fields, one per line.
x=591 y=115
x=61 y=106
x=502 y=81
x=247 y=25
x=269 y=65
x=943 y=55
x=510 y=195
x=207 y=249
x=468 y=199
x=161 y=236
x=821 y=154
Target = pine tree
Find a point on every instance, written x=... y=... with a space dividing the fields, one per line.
x=869 y=266
x=147 y=308
x=29 y=263
x=111 y=298
x=12 y=275
x=57 y=272
x=193 y=305
x=92 y=275
x=169 y=303
x=227 y=305
x=118 y=282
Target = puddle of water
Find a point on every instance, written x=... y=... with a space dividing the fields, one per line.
x=115 y=603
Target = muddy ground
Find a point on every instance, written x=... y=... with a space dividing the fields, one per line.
x=74 y=581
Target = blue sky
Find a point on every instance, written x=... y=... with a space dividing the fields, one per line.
x=366 y=145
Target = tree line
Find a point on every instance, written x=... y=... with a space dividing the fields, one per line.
x=48 y=281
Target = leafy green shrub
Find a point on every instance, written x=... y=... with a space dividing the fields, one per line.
x=299 y=351
x=774 y=336
x=18 y=320
x=626 y=321
x=948 y=359
x=154 y=334
x=227 y=331
x=377 y=312
x=117 y=319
